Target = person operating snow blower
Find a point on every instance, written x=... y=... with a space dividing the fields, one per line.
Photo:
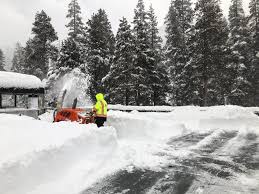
x=100 y=110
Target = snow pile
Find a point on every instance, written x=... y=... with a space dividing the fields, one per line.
x=142 y=108
x=184 y=119
x=17 y=80
x=39 y=157
x=34 y=152
x=219 y=117
x=137 y=125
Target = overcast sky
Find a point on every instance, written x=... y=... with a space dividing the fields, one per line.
x=16 y=16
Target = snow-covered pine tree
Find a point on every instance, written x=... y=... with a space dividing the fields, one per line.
x=239 y=66
x=156 y=72
x=142 y=58
x=119 y=79
x=18 y=62
x=173 y=41
x=2 y=61
x=101 y=45
x=209 y=53
x=76 y=37
x=75 y=25
x=254 y=53
x=52 y=68
x=54 y=81
x=178 y=31
x=72 y=54
x=38 y=49
x=69 y=55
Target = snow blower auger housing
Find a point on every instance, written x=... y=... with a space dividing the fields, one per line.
x=73 y=114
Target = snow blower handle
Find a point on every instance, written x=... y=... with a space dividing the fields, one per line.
x=93 y=113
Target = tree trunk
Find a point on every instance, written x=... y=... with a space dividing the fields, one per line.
x=127 y=97
x=205 y=92
x=154 y=98
x=137 y=97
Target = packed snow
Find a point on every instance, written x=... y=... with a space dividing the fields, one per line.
x=142 y=108
x=18 y=80
x=38 y=156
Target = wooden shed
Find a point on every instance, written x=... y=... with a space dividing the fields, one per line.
x=21 y=94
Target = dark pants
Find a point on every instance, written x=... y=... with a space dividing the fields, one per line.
x=100 y=121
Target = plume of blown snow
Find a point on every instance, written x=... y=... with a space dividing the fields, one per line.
x=76 y=84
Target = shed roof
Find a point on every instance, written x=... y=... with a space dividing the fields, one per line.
x=18 y=83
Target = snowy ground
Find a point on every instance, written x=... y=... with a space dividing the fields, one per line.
x=189 y=150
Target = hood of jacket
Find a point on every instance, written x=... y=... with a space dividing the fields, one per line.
x=99 y=97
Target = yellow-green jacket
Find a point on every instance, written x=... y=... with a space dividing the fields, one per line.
x=100 y=108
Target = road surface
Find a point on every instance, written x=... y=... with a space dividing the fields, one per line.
x=218 y=162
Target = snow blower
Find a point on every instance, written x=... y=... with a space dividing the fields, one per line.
x=71 y=114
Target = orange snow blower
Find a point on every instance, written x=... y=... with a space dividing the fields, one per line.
x=72 y=114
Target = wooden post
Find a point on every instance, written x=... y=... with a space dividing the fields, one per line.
x=15 y=101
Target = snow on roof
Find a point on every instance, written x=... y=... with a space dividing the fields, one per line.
x=18 y=80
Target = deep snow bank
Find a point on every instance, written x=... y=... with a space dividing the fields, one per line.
x=182 y=120
x=143 y=125
x=218 y=117
x=39 y=157
x=34 y=152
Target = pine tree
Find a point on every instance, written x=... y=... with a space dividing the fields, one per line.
x=156 y=72
x=239 y=66
x=18 y=62
x=173 y=42
x=209 y=53
x=254 y=53
x=178 y=32
x=70 y=55
x=73 y=51
x=142 y=58
x=75 y=25
x=153 y=34
x=38 y=49
x=100 y=50
x=119 y=79
x=50 y=84
x=2 y=61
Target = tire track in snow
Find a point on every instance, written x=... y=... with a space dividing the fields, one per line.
x=136 y=181
x=248 y=154
x=205 y=170
x=216 y=141
x=140 y=181
x=180 y=176
x=187 y=140
x=243 y=165
x=175 y=178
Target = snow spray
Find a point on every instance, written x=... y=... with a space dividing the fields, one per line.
x=75 y=83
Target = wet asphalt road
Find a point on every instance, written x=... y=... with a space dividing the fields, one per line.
x=209 y=168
